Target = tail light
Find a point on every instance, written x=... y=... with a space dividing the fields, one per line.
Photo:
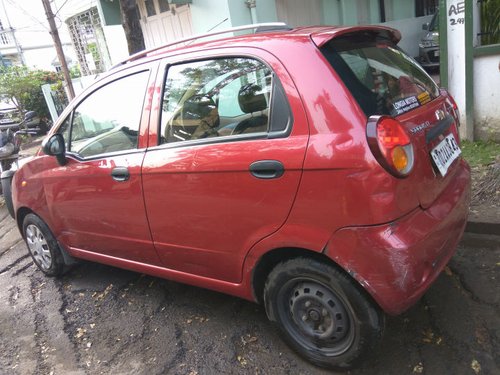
x=391 y=145
x=452 y=108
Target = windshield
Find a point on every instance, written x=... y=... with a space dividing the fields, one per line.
x=382 y=78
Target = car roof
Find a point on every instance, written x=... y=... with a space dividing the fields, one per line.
x=319 y=35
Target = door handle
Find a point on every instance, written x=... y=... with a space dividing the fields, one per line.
x=267 y=169
x=120 y=174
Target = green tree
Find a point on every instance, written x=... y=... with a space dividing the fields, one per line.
x=132 y=26
x=490 y=22
x=22 y=86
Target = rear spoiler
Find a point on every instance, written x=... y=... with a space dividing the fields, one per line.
x=322 y=37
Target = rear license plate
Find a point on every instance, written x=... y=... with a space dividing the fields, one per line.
x=445 y=153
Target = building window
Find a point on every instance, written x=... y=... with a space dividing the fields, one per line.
x=150 y=8
x=164 y=6
x=489 y=11
x=426 y=7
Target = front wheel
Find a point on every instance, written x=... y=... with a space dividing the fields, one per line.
x=321 y=313
x=42 y=246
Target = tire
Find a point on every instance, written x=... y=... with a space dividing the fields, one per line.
x=6 y=190
x=322 y=314
x=42 y=246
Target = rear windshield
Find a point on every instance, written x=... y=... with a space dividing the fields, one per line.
x=382 y=78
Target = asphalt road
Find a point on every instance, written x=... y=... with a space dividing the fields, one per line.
x=103 y=320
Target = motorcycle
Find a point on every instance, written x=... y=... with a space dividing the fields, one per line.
x=10 y=144
x=31 y=124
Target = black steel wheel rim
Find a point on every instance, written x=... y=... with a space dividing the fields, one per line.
x=316 y=317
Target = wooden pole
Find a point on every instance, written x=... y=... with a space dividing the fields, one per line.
x=59 y=49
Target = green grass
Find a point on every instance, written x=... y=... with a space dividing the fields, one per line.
x=480 y=153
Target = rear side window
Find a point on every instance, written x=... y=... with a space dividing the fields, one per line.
x=382 y=78
x=214 y=98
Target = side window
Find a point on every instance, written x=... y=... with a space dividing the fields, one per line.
x=214 y=98
x=108 y=120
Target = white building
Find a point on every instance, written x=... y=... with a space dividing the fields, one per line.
x=25 y=37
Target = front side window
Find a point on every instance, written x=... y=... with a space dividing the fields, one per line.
x=382 y=78
x=214 y=98
x=108 y=120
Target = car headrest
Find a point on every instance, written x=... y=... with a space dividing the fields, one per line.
x=251 y=98
x=202 y=108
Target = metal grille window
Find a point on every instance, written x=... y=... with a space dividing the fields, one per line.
x=90 y=44
x=425 y=7
x=489 y=11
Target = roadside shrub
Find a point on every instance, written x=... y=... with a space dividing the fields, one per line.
x=22 y=86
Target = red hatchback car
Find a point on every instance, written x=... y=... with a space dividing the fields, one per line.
x=314 y=170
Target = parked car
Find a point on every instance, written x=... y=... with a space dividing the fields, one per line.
x=429 y=44
x=316 y=171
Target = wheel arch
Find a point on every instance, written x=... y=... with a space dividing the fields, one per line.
x=21 y=214
x=269 y=260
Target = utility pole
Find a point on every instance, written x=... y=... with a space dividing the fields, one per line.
x=59 y=50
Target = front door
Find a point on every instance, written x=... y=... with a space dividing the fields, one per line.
x=227 y=167
x=97 y=195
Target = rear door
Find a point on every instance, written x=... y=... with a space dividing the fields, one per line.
x=228 y=161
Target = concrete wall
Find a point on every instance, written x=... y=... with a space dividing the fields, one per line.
x=487 y=97
x=402 y=9
x=332 y=13
x=266 y=11
x=240 y=14
x=208 y=13
x=116 y=42
x=411 y=32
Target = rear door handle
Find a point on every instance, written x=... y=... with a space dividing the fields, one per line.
x=120 y=174
x=267 y=169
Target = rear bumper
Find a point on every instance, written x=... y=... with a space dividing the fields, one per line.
x=397 y=262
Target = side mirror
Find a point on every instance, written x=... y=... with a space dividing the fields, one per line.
x=54 y=146
x=425 y=26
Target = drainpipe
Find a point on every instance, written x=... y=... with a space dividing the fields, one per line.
x=251 y=4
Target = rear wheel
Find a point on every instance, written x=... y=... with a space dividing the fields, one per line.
x=42 y=246
x=321 y=313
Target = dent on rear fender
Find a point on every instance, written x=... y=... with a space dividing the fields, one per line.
x=399 y=265
x=377 y=257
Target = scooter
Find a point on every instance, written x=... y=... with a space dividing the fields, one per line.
x=31 y=124
x=10 y=145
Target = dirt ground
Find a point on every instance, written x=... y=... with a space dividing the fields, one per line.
x=485 y=203
x=103 y=320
